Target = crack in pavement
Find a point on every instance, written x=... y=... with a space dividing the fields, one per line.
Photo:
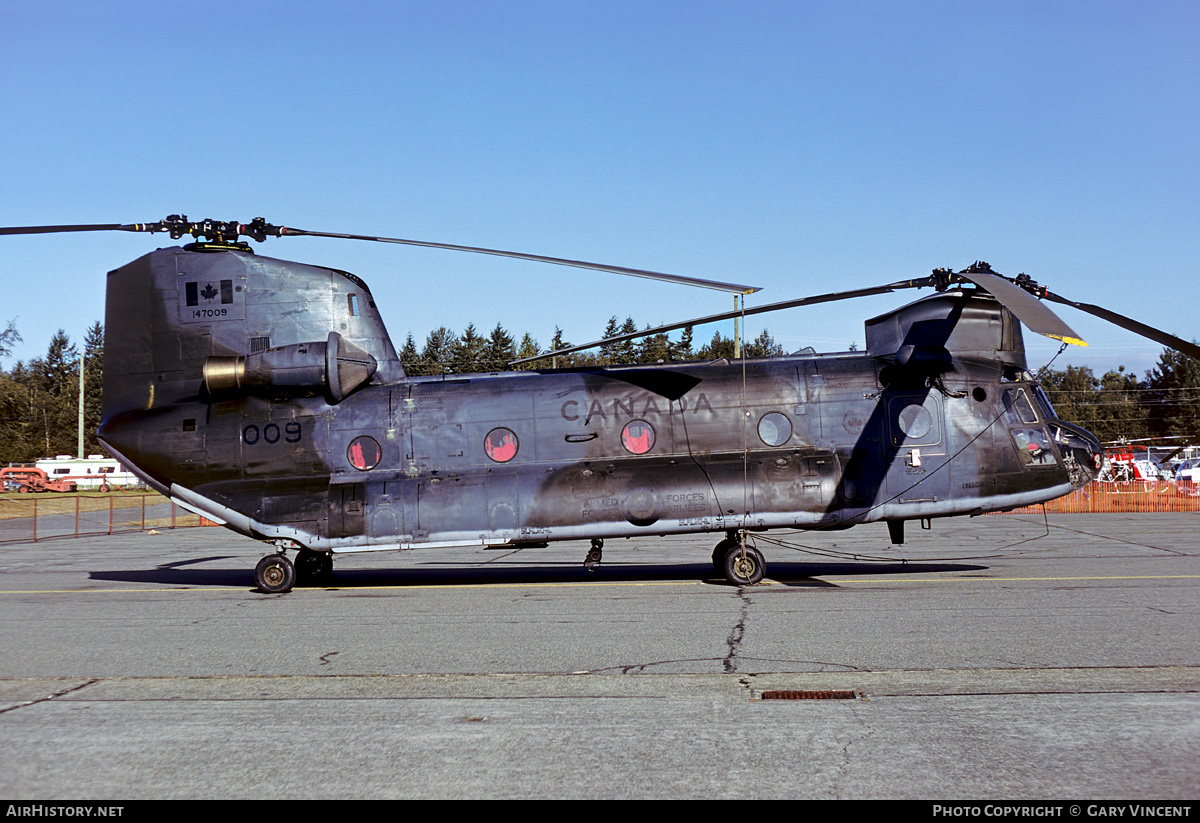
x=59 y=693
x=736 y=633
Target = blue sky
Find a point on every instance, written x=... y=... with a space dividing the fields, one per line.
x=801 y=146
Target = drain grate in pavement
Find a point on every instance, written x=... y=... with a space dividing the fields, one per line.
x=825 y=694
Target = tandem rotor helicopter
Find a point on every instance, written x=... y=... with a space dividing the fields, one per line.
x=267 y=396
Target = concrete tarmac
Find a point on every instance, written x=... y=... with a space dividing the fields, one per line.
x=1000 y=657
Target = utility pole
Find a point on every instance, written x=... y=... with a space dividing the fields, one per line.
x=81 y=384
x=737 y=333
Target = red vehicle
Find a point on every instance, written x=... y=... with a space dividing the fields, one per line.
x=32 y=479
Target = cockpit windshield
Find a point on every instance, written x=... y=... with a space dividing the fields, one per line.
x=1043 y=402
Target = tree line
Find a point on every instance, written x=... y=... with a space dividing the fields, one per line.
x=1118 y=406
x=39 y=398
x=445 y=352
x=1114 y=406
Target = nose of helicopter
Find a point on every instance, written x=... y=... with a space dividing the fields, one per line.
x=1083 y=453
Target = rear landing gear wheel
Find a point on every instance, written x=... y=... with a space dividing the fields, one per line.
x=744 y=568
x=595 y=555
x=275 y=574
x=313 y=568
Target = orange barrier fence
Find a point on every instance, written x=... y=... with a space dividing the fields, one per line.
x=1131 y=496
x=36 y=517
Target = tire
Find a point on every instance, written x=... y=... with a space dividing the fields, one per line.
x=744 y=569
x=275 y=574
x=313 y=568
x=718 y=555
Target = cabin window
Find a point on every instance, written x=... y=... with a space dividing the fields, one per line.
x=354 y=307
x=774 y=429
x=637 y=437
x=501 y=445
x=364 y=453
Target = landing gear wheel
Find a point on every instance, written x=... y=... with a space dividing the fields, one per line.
x=595 y=555
x=313 y=568
x=744 y=568
x=275 y=574
x=721 y=550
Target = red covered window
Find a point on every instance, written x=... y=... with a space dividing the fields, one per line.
x=500 y=445
x=364 y=453
x=637 y=437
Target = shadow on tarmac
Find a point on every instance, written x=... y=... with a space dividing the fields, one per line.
x=794 y=575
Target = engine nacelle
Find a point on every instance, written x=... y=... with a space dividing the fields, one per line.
x=335 y=367
x=923 y=335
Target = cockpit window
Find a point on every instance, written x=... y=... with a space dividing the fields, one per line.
x=1033 y=446
x=1016 y=374
x=1017 y=407
x=1043 y=402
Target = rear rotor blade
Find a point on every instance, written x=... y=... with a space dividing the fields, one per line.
x=259 y=229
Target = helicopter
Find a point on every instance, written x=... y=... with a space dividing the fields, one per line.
x=267 y=396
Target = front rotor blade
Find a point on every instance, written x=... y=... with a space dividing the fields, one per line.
x=56 y=229
x=1028 y=309
x=1149 y=332
x=729 y=315
x=733 y=288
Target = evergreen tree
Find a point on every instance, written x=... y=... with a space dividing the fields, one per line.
x=499 y=350
x=627 y=350
x=53 y=396
x=556 y=343
x=762 y=346
x=467 y=352
x=13 y=434
x=93 y=386
x=1174 y=396
x=528 y=348
x=654 y=349
x=437 y=354
x=608 y=350
x=720 y=346
x=682 y=350
x=410 y=358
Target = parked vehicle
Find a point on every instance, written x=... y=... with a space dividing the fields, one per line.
x=32 y=479
x=92 y=473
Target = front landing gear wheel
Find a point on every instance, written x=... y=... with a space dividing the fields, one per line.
x=744 y=568
x=720 y=551
x=275 y=574
x=313 y=568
